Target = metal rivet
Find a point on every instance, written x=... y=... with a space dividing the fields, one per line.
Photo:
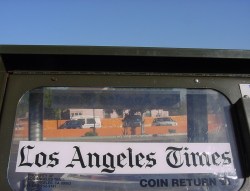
x=197 y=80
x=53 y=79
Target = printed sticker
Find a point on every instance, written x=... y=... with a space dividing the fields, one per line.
x=124 y=158
x=245 y=90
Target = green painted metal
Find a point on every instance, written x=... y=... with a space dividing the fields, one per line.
x=124 y=51
x=18 y=80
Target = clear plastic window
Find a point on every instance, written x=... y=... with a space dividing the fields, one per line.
x=193 y=126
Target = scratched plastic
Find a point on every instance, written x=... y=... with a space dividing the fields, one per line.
x=102 y=139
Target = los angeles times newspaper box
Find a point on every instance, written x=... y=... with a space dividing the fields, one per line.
x=124 y=118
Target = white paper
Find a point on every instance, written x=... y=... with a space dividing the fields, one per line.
x=245 y=90
x=124 y=158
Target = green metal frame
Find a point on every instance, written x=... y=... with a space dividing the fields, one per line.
x=15 y=82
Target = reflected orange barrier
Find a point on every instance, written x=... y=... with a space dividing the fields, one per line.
x=113 y=127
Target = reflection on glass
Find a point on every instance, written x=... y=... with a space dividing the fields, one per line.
x=134 y=114
x=160 y=115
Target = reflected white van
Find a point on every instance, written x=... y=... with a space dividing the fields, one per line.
x=89 y=121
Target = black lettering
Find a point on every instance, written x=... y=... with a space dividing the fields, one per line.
x=189 y=182
x=163 y=182
x=108 y=165
x=182 y=182
x=120 y=158
x=187 y=157
x=53 y=161
x=37 y=160
x=197 y=182
x=154 y=183
x=226 y=160
x=97 y=160
x=204 y=182
x=215 y=156
x=194 y=158
x=79 y=159
x=212 y=182
x=175 y=182
x=139 y=157
x=143 y=183
x=174 y=157
x=199 y=159
x=206 y=159
x=151 y=183
x=151 y=161
x=23 y=157
x=225 y=181
x=130 y=157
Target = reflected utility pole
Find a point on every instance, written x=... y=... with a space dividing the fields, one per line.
x=36 y=115
x=35 y=132
x=94 y=120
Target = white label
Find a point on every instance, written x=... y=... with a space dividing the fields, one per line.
x=245 y=90
x=124 y=158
